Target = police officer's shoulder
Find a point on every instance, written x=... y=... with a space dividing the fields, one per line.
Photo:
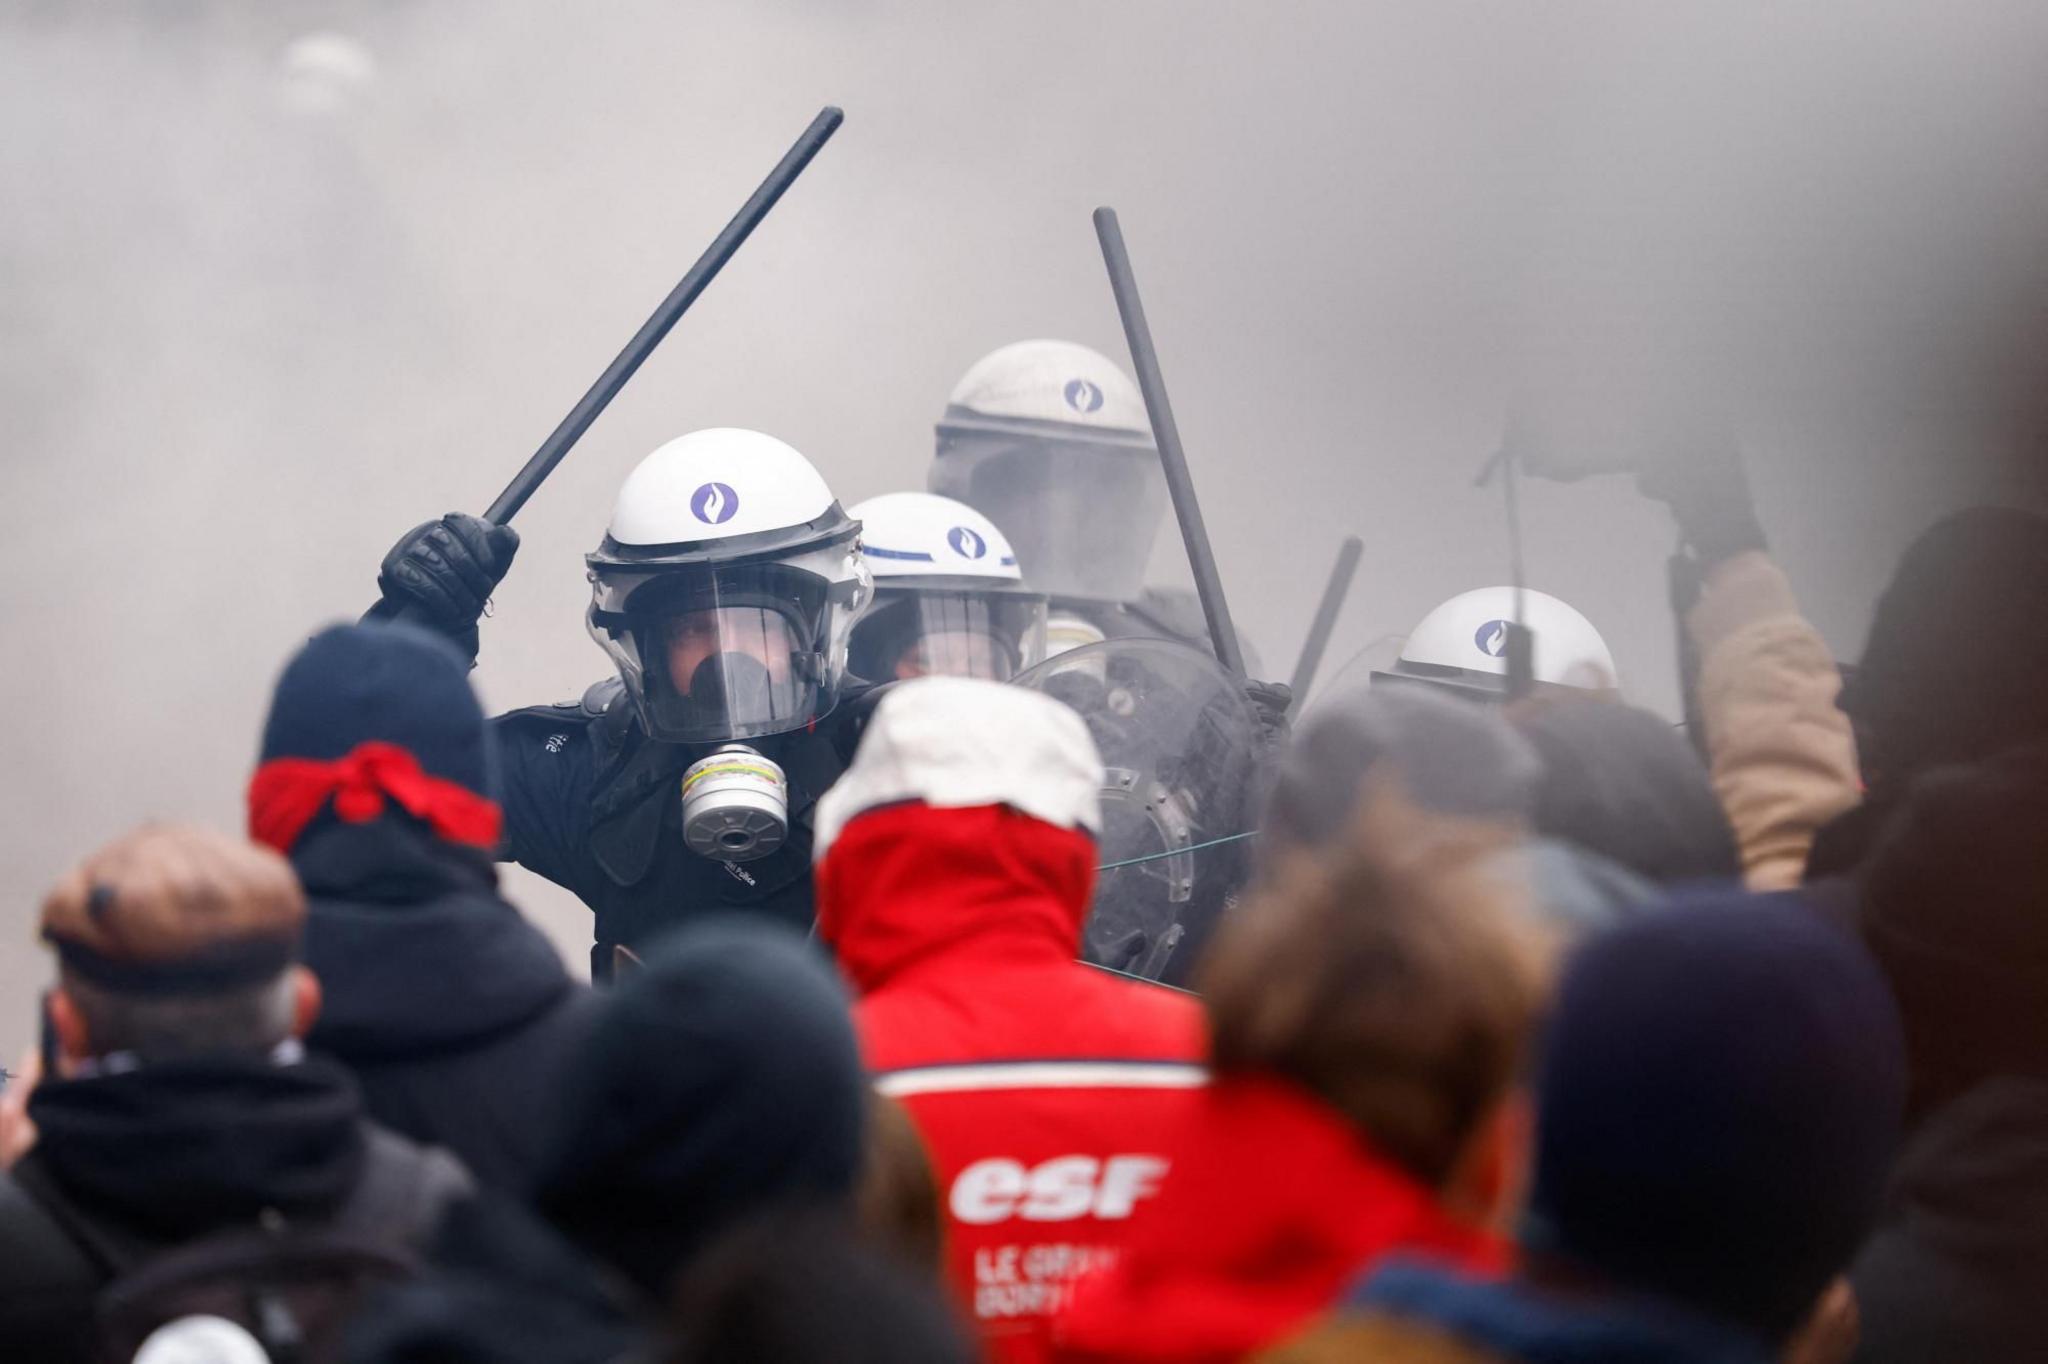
x=598 y=717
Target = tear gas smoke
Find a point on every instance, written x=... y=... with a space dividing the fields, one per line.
x=281 y=281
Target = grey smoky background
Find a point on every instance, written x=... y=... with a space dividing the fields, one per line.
x=279 y=281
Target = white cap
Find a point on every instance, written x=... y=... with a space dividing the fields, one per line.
x=1051 y=381
x=923 y=535
x=958 y=742
x=716 y=485
x=1470 y=631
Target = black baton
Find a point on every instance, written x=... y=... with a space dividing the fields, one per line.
x=1208 y=584
x=565 y=436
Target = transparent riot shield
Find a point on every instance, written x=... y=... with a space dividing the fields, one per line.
x=1178 y=742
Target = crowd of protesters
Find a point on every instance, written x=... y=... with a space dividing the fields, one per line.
x=1534 y=1038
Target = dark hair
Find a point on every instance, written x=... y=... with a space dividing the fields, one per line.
x=809 y=1289
x=897 y=1198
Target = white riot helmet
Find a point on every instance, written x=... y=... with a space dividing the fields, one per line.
x=1463 y=644
x=949 y=598
x=1050 y=441
x=725 y=588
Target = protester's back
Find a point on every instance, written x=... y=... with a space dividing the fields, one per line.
x=957 y=857
x=190 y=1162
x=376 y=779
x=1955 y=905
x=1952 y=669
x=1717 y=1101
x=1369 y=1008
x=718 y=1083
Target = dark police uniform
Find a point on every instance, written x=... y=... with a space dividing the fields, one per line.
x=594 y=805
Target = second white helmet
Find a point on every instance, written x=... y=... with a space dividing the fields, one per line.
x=949 y=595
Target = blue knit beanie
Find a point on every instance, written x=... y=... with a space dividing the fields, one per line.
x=1718 y=1103
x=390 y=682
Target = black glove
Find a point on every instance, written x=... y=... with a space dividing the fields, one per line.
x=1271 y=701
x=443 y=572
x=1698 y=474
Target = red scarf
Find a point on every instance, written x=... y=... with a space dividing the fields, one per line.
x=286 y=794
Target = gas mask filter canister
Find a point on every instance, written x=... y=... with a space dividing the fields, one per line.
x=735 y=805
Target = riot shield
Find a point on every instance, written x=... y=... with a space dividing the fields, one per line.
x=1350 y=678
x=1179 y=744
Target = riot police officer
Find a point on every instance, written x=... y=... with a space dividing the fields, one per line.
x=950 y=599
x=724 y=593
x=1050 y=440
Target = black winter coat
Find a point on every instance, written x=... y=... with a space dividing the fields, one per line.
x=1959 y=1270
x=129 y=1165
x=451 y=1009
x=505 y=1288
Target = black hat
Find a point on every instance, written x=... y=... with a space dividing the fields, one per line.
x=390 y=683
x=720 y=1080
x=1718 y=1102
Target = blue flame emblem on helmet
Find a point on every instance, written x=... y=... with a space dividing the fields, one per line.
x=1491 y=638
x=966 y=543
x=714 y=503
x=1083 y=396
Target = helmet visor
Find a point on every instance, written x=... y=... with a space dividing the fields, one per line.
x=719 y=653
x=1082 y=515
x=939 y=632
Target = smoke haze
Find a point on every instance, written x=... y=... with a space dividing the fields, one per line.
x=262 y=307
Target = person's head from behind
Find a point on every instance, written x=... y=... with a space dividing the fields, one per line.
x=719 y=1081
x=1397 y=977
x=1451 y=757
x=374 y=723
x=1718 y=1099
x=989 y=790
x=1954 y=903
x=1464 y=763
x=1953 y=668
x=176 y=943
x=1620 y=782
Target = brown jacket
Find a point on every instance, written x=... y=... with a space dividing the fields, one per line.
x=1781 y=754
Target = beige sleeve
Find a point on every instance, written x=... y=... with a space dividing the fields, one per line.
x=1781 y=754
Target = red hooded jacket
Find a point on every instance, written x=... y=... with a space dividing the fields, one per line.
x=1276 y=1204
x=1045 y=1090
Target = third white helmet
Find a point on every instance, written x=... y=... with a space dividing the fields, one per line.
x=1049 y=439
